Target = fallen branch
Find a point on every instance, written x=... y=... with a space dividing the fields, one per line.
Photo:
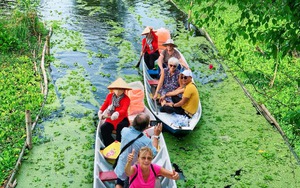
x=206 y=35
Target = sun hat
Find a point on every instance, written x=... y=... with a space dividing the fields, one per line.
x=147 y=30
x=119 y=84
x=169 y=41
x=187 y=73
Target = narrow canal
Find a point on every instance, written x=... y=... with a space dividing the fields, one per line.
x=93 y=43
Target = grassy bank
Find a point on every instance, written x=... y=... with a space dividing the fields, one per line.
x=19 y=82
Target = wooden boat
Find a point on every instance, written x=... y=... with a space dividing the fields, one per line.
x=101 y=165
x=174 y=123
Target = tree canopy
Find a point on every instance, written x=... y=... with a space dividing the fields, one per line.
x=273 y=22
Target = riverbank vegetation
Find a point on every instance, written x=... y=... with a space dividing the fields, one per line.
x=20 y=35
x=250 y=158
x=259 y=42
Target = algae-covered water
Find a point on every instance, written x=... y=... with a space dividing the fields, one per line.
x=93 y=43
x=233 y=146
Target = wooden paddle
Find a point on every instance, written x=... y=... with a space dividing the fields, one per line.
x=138 y=64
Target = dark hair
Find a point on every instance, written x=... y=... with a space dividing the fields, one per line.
x=141 y=121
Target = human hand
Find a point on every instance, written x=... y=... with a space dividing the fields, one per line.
x=151 y=28
x=130 y=156
x=114 y=116
x=175 y=175
x=155 y=96
x=162 y=98
x=157 y=129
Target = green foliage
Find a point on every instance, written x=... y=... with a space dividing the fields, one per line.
x=19 y=84
x=275 y=23
x=293 y=117
x=21 y=92
x=7 y=41
x=21 y=30
x=260 y=42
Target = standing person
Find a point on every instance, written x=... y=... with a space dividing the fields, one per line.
x=168 y=81
x=169 y=52
x=189 y=103
x=115 y=110
x=150 y=47
x=139 y=124
x=143 y=174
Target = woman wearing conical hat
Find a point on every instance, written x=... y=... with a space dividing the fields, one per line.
x=115 y=110
x=150 y=47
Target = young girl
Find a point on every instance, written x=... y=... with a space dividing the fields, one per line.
x=143 y=174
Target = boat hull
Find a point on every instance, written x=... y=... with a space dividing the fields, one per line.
x=102 y=165
x=172 y=122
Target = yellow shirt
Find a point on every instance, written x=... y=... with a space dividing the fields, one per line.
x=192 y=94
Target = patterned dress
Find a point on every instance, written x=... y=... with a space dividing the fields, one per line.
x=170 y=83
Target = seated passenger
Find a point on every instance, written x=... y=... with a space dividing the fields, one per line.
x=168 y=81
x=189 y=103
x=150 y=47
x=115 y=110
x=175 y=94
x=169 y=52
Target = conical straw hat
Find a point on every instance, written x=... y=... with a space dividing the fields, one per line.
x=147 y=30
x=119 y=84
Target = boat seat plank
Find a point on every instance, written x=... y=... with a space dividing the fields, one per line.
x=154 y=73
x=153 y=82
x=108 y=176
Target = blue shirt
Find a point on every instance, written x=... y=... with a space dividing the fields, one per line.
x=128 y=134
